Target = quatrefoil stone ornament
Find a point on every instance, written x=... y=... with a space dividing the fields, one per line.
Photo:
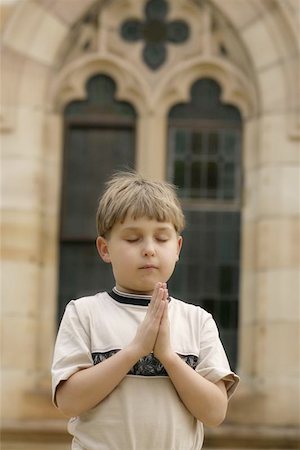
x=156 y=32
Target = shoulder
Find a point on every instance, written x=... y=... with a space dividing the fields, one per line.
x=88 y=304
x=190 y=310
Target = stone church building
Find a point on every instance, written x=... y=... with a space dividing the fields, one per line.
x=202 y=93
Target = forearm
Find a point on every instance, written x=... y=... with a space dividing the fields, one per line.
x=205 y=400
x=88 y=387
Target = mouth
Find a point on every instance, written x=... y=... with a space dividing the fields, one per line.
x=148 y=266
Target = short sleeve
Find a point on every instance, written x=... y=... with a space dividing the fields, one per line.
x=213 y=363
x=72 y=348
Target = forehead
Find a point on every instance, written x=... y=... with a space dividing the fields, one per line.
x=143 y=223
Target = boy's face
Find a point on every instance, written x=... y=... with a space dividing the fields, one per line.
x=142 y=252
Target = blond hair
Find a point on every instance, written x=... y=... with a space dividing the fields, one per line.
x=128 y=193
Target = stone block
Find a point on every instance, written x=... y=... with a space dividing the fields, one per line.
x=53 y=138
x=22 y=184
x=51 y=195
x=279 y=292
x=34 y=32
x=260 y=43
x=281 y=357
x=248 y=251
x=239 y=12
x=250 y=146
x=12 y=64
x=61 y=9
x=19 y=342
x=19 y=288
x=276 y=147
x=279 y=187
x=34 y=84
x=247 y=308
x=246 y=357
x=250 y=196
x=272 y=85
x=21 y=236
x=27 y=139
x=14 y=382
x=278 y=244
x=276 y=406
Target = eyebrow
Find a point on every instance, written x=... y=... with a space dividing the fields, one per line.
x=133 y=228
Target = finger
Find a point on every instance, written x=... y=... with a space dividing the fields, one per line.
x=159 y=299
x=154 y=297
x=166 y=294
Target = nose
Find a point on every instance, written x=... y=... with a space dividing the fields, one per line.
x=148 y=249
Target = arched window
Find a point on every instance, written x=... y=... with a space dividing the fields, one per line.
x=99 y=139
x=204 y=162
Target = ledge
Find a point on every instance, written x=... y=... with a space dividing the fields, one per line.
x=252 y=436
x=54 y=431
x=225 y=437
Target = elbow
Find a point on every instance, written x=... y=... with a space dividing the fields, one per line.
x=69 y=409
x=65 y=404
x=216 y=418
x=213 y=422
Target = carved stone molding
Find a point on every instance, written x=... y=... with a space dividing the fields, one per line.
x=237 y=89
x=70 y=84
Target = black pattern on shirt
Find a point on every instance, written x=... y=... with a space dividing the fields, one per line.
x=147 y=366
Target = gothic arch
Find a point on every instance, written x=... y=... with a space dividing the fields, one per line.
x=237 y=89
x=70 y=83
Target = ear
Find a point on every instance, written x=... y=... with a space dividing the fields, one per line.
x=179 y=246
x=102 y=247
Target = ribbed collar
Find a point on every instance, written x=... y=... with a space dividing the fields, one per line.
x=130 y=299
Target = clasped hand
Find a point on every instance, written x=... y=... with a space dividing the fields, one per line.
x=153 y=334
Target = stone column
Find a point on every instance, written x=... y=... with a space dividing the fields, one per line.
x=151 y=144
x=270 y=314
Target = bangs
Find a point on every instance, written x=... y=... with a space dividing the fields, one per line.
x=131 y=195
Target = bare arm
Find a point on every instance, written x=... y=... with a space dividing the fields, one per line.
x=205 y=400
x=88 y=387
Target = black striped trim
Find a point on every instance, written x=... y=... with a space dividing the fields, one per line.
x=148 y=366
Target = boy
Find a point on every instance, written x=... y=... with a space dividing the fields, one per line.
x=135 y=368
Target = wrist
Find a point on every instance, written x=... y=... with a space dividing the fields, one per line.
x=134 y=352
x=167 y=358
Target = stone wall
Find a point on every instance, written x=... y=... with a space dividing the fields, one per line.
x=42 y=71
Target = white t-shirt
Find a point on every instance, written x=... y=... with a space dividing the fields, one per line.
x=144 y=412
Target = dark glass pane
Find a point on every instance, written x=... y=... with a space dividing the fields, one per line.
x=91 y=156
x=82 y=272
x=196 y=176
x=205 y=104
x=179 y=175
x=154 y=54
x=156 y=9
x=225 y=279
x=208 y=269
x=196 y=143
x=209 y=172
x=100 y=100
x=213 y=143
x=177 y=31
x=155 y=31
x=210 y=305
x=131 y=30
x=93 y=150
x=207 y=273
x=230 y=148
x=212 y=177
x=181 y=142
